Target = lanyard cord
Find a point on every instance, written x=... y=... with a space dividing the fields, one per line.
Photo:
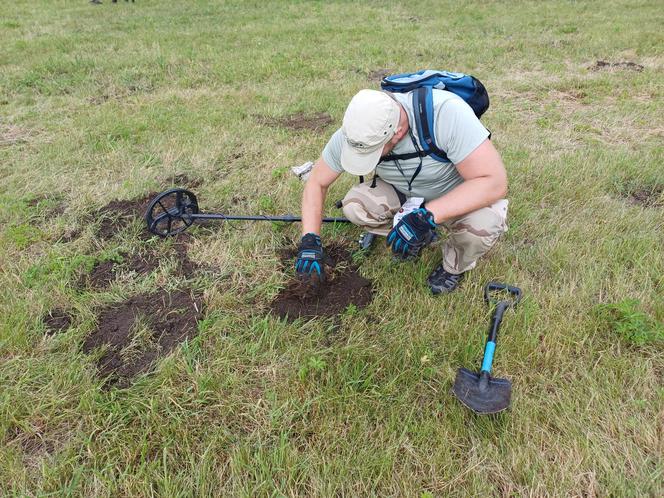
x=419 y=166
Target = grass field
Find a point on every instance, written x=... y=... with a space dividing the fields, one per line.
x=102 y=103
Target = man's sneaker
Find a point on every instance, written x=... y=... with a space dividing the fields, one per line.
x=441 y=281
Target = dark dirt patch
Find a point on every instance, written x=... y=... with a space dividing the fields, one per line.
x=344 y=286
x=631 y=66
x=182 y=180
x=34 y=444
x=170 y=318
x=647 y=197
x=300 y=121
x=118 y=214
x=105 y=272
x=56 y=321
x=379 y=74
x=186 y=267
x=101 y=275
x=51 y=205
x=70 y=235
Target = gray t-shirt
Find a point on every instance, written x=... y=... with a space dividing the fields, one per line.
x=458 y=132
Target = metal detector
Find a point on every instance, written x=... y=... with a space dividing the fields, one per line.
x=175 y=210
x=479 y=391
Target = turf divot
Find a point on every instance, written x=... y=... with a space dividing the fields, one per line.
x=343 y=287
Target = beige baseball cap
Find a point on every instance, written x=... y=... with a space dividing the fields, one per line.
x=371 y=119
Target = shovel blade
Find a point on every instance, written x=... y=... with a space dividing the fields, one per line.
x=494 y=397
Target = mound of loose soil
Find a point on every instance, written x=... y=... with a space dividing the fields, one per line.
x=56 y=321
x=632 y=66
x=170 y=317
x=343 y=286
x=300 y=121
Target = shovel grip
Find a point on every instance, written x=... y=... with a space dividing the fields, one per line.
x=490 y=347
x=497 y=286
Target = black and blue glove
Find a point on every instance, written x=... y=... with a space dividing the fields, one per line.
x=414 y=231
x=310 y=257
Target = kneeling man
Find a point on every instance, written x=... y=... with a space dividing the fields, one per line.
x=464 y=195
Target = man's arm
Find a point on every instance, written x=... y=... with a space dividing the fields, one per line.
x=485 y=182
x=313 y=197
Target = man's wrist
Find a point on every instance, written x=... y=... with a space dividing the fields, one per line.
x=437 y=217
x=311 y=238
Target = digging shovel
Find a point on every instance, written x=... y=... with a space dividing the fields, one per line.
x=479 y=391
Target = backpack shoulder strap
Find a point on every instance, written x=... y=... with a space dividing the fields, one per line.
x=403 y=157
x=423 y=110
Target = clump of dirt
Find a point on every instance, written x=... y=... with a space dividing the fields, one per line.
x=379 y=74
x=117 y=214
x=135 y=333
x=343 y=286
x=647 y=197
x=300 y=121
x=631 y=66
x=56 y=321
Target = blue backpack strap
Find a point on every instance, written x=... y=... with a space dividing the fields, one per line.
x=423 y=106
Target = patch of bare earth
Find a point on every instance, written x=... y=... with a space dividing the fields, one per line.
x=118 y=214
x=182 y=180
x=106 y=272
x=299 y=121
x=51 y=205
x=344 y=286
x=56 y=321
x=379 y=74
x=134 y=334
x=651 y=197
x=626 y=65
x=37 y=441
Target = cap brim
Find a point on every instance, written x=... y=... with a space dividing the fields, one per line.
x=359 y=163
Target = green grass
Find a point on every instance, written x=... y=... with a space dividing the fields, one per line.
x=105 y=102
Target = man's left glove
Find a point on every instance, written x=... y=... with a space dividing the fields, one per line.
x=310 y=257
x=414 y=231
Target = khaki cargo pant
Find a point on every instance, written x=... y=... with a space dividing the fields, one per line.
x=470 y=236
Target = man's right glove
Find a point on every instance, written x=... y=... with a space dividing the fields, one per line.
x=414 y=231
x=310 y=257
